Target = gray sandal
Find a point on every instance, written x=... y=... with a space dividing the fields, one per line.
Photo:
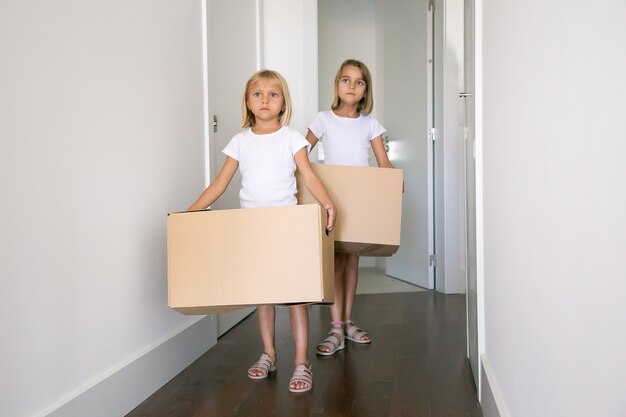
x=265 y=364
x=303 y=374
x=333 y=342
x=356 y=335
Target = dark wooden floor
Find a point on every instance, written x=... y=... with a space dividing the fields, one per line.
x=415 y=367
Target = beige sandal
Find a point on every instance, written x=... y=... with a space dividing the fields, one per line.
x=333 y=342
x=303 y=374
x=265 y=364
x=356 y=335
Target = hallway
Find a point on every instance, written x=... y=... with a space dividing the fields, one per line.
x=415 y=367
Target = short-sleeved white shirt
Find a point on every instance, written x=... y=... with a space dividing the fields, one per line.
x=346 y=140
x=267 y=166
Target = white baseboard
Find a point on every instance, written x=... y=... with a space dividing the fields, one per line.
x=127 y=387
x=491 y=402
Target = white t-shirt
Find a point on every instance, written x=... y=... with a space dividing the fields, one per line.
x=346 y=140
x=267 y=166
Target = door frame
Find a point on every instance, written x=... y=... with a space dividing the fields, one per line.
x=431 y=143
x=466 y=95
x=478 y=143
x=478 y=197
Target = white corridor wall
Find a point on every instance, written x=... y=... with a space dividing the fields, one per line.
x=101 y=135
x=554 y=182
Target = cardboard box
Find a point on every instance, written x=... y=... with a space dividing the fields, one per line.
x=221 y=260
x=369 y=206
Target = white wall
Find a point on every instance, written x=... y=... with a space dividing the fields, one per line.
x=554 y=202
x=101 y=136
x=289 y=45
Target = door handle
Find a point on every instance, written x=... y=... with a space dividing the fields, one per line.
x=465 y=94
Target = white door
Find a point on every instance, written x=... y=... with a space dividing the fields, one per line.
x=405 y=39
x=232 y=59
x=470 y=188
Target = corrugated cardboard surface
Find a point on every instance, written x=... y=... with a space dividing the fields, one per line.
x=369 y=205
x=225 y=259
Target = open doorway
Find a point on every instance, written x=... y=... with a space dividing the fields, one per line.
x=393 y=39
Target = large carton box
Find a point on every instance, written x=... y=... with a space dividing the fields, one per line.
x=221 y=260
x=369 y=206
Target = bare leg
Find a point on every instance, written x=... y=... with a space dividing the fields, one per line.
x=351 y=282
x=300 y=328
x=267 y=326
x=336 y=309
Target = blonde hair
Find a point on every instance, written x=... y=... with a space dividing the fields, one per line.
x=366 y=104
x=277 y=80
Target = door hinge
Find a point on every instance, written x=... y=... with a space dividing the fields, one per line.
x=214 y=123
x=431 y=5
x=432 y=261
x=432 y=134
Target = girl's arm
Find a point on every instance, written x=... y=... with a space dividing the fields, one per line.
x=218 y=186
x=314 y=185
x=380 y=153
x=311 y=138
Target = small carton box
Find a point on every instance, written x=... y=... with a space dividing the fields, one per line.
x=369 y=206
x=221 y=260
